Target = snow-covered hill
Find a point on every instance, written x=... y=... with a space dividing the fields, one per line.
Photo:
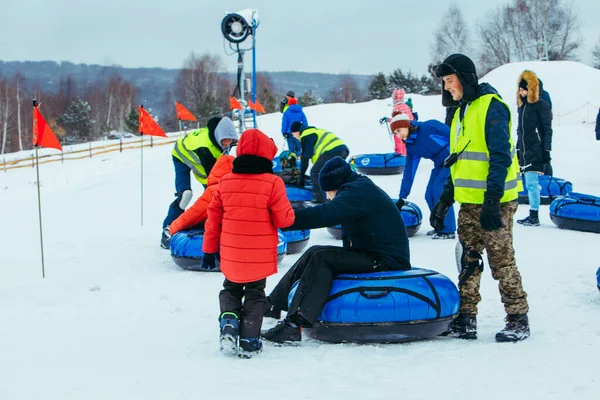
x=116 y=319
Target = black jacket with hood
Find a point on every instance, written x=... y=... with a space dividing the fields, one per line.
x=534 y=129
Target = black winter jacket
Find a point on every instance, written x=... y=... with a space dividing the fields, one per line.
x=598 y=126
x=534 y=130
x=370 y=222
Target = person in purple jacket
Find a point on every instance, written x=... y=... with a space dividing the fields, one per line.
x=430 y=140
x=292 y=114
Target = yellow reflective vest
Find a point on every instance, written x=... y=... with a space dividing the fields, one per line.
x=325 y=141
x=184 y=152
x=469 y=173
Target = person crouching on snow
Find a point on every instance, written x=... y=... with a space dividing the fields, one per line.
x=430 y=140
x=247 y=208
x=195 y=216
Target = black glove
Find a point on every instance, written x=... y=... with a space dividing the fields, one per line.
x=400 y=203
x=546 y=157
x=286 y=135
x=165 y=240
x=438 y=214
x=490 y=218
x=383 y=120
x=209 y=261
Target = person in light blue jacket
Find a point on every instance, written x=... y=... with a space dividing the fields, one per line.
x=292 y=114
x=430 y=140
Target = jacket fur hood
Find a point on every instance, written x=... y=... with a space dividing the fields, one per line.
x=533 y=87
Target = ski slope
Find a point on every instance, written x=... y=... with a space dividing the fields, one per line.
x=116 y=319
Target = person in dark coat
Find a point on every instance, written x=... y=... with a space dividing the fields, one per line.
x=374 y=239
x=598 y=125
x=534 y=140
x=430 y=140
x=292 y=114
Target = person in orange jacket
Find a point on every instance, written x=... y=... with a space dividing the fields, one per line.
x=197 y=213
x=247 y=208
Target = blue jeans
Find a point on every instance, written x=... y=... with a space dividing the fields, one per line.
x=437 y=179
x=532 y=181
x=294 y=145
x=182 y=182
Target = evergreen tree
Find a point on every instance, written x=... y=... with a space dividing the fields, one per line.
x=308 y=99
x=379 y=88
x=77 y=122
x=132 y=121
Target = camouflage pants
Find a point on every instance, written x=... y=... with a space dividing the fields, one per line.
x=501 y=259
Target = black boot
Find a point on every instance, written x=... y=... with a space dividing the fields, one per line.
x=271 y=311
x=284 y=331
x=516 y=329
x=532 y=220
x=249 y=347
x=463 y=327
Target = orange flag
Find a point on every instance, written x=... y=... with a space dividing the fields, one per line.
x=259 y=107
x=42 y=133
x=251 y=105
x=234 y=104
x=183 y=113
x=147 y=124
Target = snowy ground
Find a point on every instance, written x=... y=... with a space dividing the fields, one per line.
x=116 y=319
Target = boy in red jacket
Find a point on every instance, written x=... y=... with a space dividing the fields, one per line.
x=248 y=207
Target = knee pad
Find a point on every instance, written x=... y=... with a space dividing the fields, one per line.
x=467 y=261
x=184 y=198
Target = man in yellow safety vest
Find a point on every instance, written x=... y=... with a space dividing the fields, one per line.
x=318 y=146
x=197 y=152
x=485 y=180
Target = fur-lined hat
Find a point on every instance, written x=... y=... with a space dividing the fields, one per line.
x=533 y=87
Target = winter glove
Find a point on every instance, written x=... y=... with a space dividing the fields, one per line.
x=438 y=214
x=490 y=218
x=400 y=203
x=287 y=135
x=546 y=157
x=383 y=120
x=209 y=261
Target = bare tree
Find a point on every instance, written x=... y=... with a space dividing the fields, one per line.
x=451 y=36
x=7 y=115
x=346 y=90
x=496 y=40
x=596 y=54
x=265 y=93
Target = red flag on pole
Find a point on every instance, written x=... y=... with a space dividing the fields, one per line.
x=42 y=133
x=234 y=104
x=183 y=113
x=259 y=107
x=251 y=105
x=147 y=124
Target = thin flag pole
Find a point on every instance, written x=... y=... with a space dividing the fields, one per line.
x=142 y=173
x=37 y=169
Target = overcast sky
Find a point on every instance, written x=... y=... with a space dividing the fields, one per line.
x=334 y=36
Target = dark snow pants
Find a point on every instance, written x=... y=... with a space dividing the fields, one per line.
x=318 y=195
x=251 y=311
x=316 y=269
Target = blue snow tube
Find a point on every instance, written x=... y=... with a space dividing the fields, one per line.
x=186 y=250
x=552 y=187
x=297 y=240
x=386 y=307
x=411 y=215
x=598 y=278
x=282 y=246
x=577 y=211
x=379 y=164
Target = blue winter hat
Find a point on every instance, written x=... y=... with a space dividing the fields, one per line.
x=334 y=174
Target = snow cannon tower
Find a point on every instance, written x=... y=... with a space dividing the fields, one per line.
x=236 y=28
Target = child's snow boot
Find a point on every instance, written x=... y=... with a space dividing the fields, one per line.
x=516 y=329
x=230 y=331
x=249 y=347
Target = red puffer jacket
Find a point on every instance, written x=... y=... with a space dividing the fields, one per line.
x=246 y=210
x=197 y=212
